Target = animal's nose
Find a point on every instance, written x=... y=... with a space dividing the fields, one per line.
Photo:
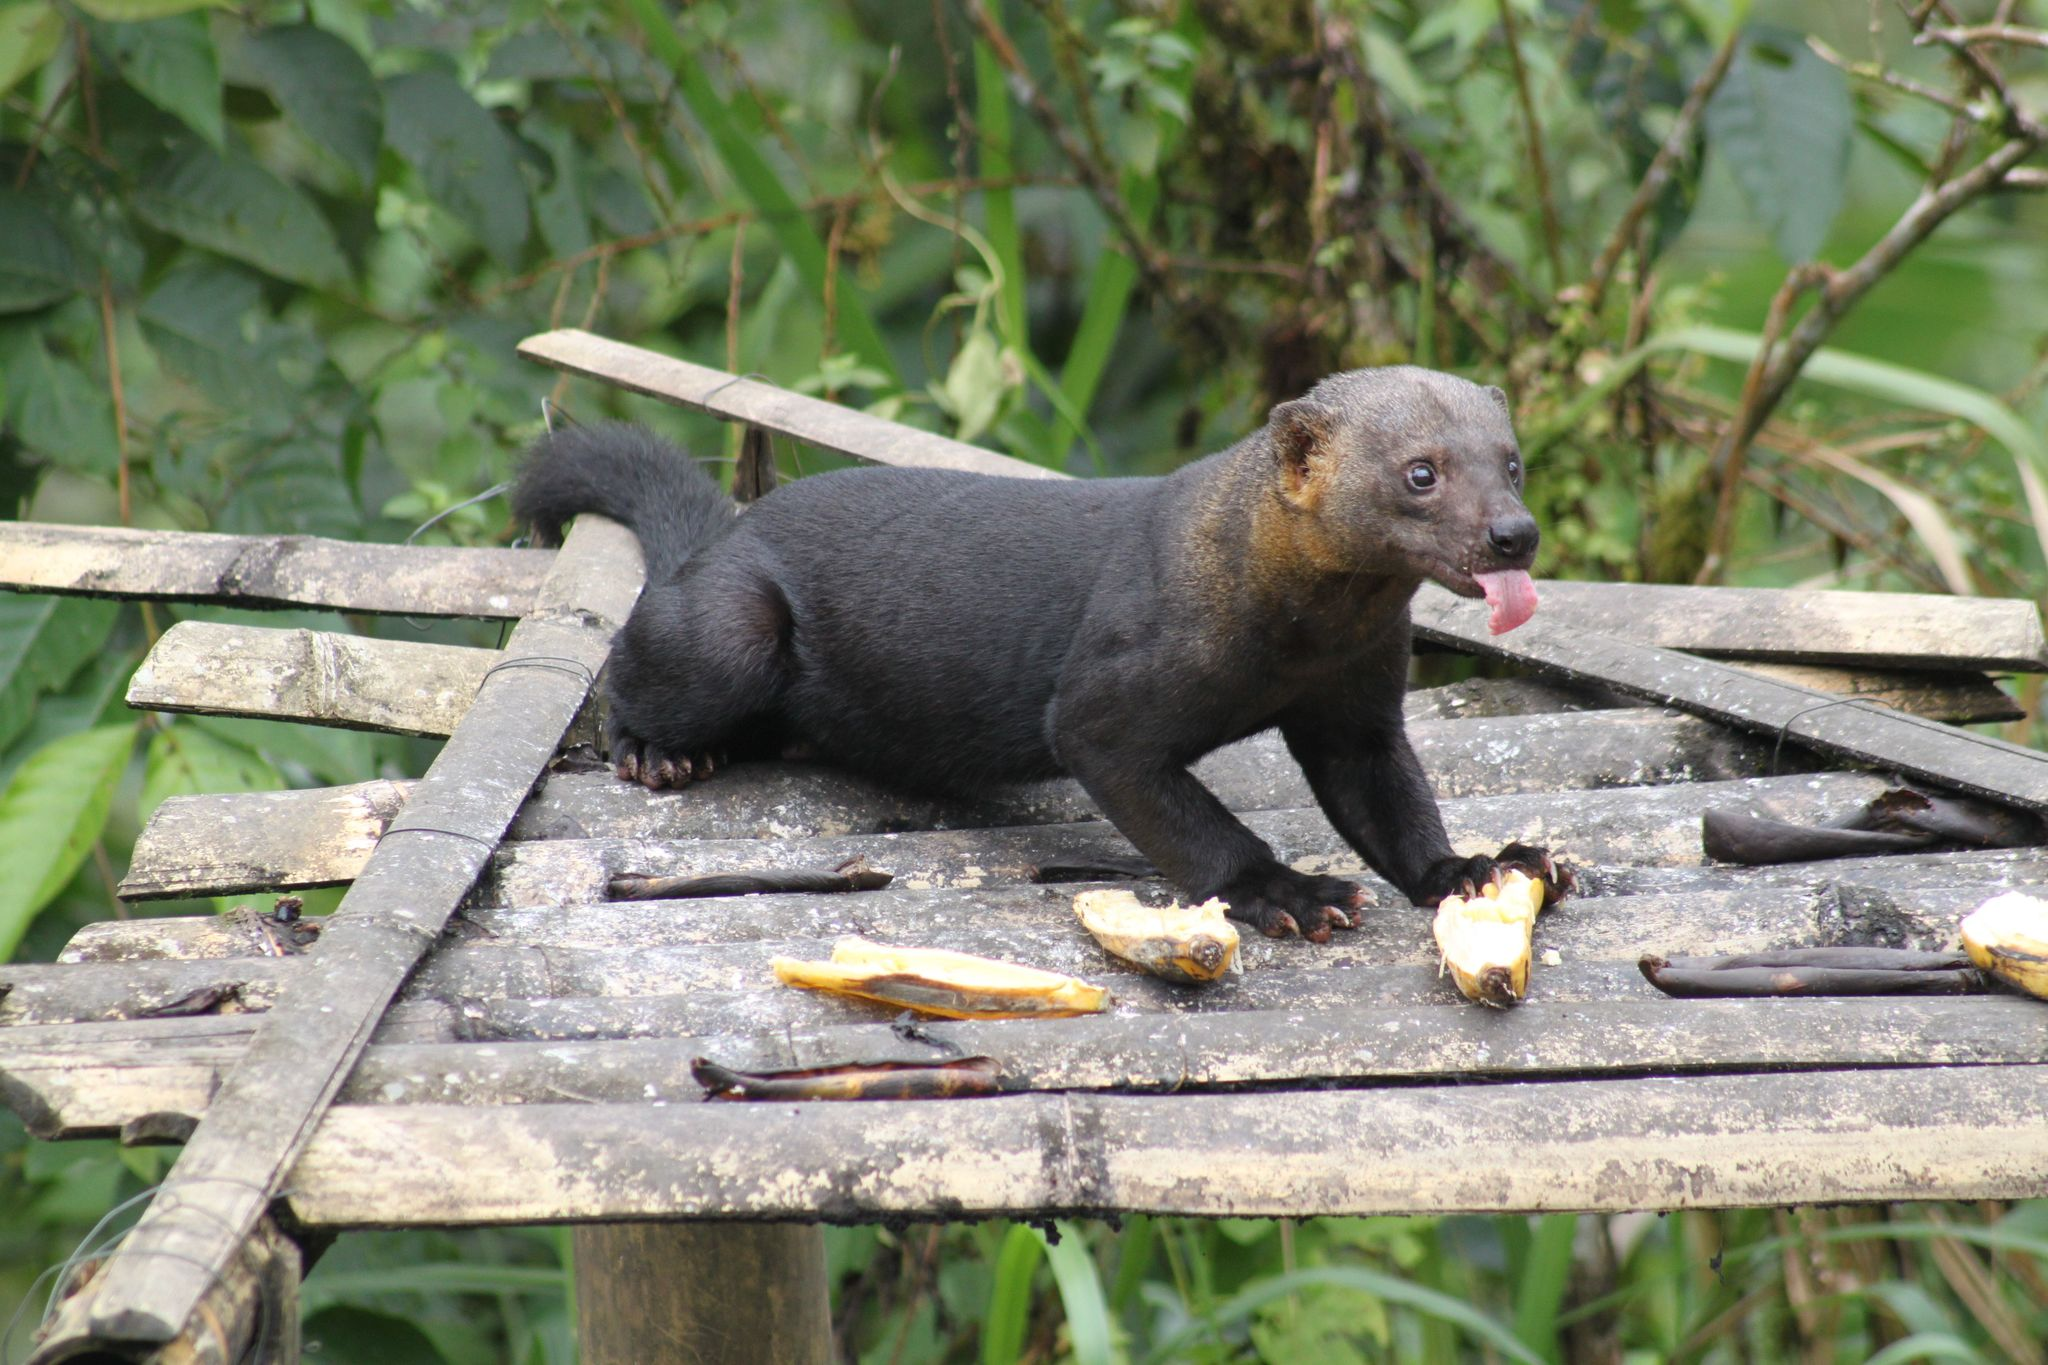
x=1514 y=537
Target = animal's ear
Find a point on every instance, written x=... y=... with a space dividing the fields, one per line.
x=1298 y=429
x=1500 y=400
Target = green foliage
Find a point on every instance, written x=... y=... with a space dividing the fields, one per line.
x=51 y=813
x=1783 y=120
x=264 y=267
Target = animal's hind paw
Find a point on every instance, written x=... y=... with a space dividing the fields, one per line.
x=636 y=760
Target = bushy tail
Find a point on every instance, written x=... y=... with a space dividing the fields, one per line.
x=634 y=477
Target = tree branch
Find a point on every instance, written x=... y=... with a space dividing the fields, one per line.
x=1545 y=201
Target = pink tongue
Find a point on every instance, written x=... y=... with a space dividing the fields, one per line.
x=1510 y=597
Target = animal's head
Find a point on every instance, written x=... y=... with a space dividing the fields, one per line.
x=1413 y=473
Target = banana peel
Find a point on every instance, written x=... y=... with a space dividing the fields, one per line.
x=2007 y=936
x=1485 y=939
x=1190 y=944
x=942 y=982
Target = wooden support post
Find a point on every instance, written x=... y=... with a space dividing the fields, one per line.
x=707 y=1293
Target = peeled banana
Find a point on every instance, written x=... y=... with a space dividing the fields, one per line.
x=1485 y=939
x=938 y=981
x=2007 y=936
x=1190 y=944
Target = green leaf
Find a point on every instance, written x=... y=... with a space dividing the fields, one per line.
x=463 y=156
x=975 y=384
x=172 y=64
x=1080 y=1285
x=28 y=35
x=58 y=410
x=37 y=268
x=771 y=198
x=1545 y=1276
x=51 y=813
x=228 y=203
x=1009 y=1297
x=44 y=641
x=185 y=760
x=193 y=318
x=1395 y=1290
x=323 y=85
x=1783 y=119
x=129 y=11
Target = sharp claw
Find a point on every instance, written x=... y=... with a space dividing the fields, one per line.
x=1280 y=926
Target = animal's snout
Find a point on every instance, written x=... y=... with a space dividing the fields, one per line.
x=1513 y=538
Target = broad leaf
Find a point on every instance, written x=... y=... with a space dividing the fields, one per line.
x=1783 y=119
x=28 y=35
x=58 y=410
x=172 y=64
x=230 y=204
x=194 y=319
x=185 y=760
x=463 y=156
x=43 y=642
x=323 y=85
x=51 y=812
x=38 y=267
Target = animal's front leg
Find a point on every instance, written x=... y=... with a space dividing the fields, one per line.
x=1202 y=848
x=1370 y=784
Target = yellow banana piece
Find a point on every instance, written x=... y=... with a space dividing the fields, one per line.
x=1485 y=939
x=1190 y=944
x=2007 y=936
x=939 y=981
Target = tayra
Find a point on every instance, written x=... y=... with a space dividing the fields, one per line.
x=948 y=632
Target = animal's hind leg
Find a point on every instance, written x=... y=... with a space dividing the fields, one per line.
x=698 y=659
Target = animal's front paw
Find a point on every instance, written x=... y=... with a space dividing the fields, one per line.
x=1457 y=876
x=654 y=767
x=1280 y=902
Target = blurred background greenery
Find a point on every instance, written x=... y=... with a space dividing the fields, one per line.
x=262 y=269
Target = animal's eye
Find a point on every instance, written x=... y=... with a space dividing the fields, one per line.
x=1515 y=470
x=1421 y=477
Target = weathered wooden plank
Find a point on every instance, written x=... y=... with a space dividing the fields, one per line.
x=270 y=1101
x=1653 y=1143
x=738 y=399
x=1852 y=629
x=1844 y=729
x=269 y=571
x=238 y=842
x=1635 y=826
x=73 y=1082
x=1958 y=698
x=320 y=677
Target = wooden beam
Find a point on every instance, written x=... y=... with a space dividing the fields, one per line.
x=270 y=1101
x=357 y=682
x=750 y=1294
x=1958 y=698
x=1852 y=730
x=1849 y=629
x=69 y=1082
x=733 y=398
x=239 y=842
x=1626 y=826
x=269 y=571
x=1821 y=1137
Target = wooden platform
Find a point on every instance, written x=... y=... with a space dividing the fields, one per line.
x=480 y=1037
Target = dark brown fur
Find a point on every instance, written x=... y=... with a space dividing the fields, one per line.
x=948 y=631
